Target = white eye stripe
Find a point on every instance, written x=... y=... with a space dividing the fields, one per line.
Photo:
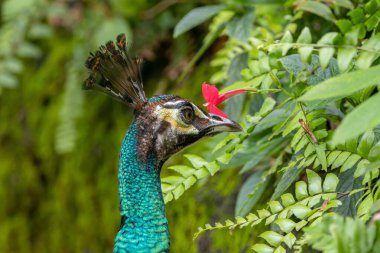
x=196 y=109
x=175 y=103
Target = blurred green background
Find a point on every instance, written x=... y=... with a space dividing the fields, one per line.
x=59 y=145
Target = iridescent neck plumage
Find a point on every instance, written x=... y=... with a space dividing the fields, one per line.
x=144 y=225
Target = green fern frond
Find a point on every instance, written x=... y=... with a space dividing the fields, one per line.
x=292 y=213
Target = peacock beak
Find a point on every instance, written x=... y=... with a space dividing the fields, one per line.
x=218 y=124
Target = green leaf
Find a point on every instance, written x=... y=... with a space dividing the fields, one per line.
x=252 y=217
x=189 y=182
x=196 y=161
x=280 y=249
x=286 y=225
x=286 y=40
x=289 y=240
x=330 y=183
x=317 y=8
x=332 y=156
x=225 y=158
x=213 y=167
x=301 y=224
x=240 y=220
x=168 y=197
x=309 y=150
x=364 y=208
x=315 y=182
x=167 y=187
x=196 y=17
x=286 y=180
x=183 y=170
x=321 y=155
x=305 y=51
x=263 y=213
x=344 y=3
x=287 y=199
x=357 y=16
x=275 y=206
x=374 y=153
x=326 y=53
x=351 y=145
x=246 y=201
x=365 y=59
x=371 y=6
x=239 y=27
x=314 y=200
x=359 y=120
x=340 y=160
x=373 y=21
x=343 y=85
x=350 y=162
x=262 y=248
x=301 y=190
x=272 y=237
x=293 y=64
x=201 y=173
x=344 y=25
x=361 y=168
x=366 y=143
x=267 y=106
x=229 y=223
x=347 y=183
x=345 y=56
x=300 y=211
x=172 y=179
x=178 y=191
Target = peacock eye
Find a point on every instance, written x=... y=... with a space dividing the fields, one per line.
x=187 y=115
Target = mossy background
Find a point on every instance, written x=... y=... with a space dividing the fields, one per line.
x=59 y=145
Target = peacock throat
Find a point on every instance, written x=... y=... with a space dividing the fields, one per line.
x=144 y=227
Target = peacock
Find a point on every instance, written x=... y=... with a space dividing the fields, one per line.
x=162 y=126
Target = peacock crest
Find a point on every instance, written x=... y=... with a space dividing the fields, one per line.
x=114 y=72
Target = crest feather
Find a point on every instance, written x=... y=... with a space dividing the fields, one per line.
x=115 y=73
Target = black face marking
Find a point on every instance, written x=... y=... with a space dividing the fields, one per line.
x=163 y=127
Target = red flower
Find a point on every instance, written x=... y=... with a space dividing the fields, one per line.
x=213 y=98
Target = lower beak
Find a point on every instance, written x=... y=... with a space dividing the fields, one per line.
x=220 y=124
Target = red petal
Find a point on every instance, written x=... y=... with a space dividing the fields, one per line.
x=228 y=94
x=210 y=93
x=215 y=110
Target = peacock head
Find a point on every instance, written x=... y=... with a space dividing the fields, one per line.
x=166 y=123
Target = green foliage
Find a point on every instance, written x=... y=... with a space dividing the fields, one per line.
x=335 y=233
x=196 y=17
x=308 y=159
x=293 y=213
x=322 y=118
x=14 y=32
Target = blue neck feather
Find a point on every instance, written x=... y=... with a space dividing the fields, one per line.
x=144 y=225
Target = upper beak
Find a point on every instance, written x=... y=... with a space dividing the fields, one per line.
x=220 y=124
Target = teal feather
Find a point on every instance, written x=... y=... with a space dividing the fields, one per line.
x=144 y=227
